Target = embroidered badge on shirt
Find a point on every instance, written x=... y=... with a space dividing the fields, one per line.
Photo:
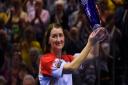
x=57 y=63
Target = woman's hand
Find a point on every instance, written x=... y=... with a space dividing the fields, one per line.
x=97 y=35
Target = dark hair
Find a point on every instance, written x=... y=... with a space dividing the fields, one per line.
x=103 y=5
x=47 y=35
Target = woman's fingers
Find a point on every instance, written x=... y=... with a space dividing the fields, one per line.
x=98 y=35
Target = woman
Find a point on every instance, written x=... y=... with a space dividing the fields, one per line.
x=55 y=67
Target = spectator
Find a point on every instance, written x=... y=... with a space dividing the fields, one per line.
x=28 y=80
x=98 y=71
x=39 y=15
x=30 y=8
x=59 y=15
x=121 y=22
x=17 y=13
x=39 y=20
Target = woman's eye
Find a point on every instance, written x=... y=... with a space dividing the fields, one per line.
x=57 y=35
x=54 y=36
x=61 y=35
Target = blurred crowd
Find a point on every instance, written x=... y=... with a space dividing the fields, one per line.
x=22 y=30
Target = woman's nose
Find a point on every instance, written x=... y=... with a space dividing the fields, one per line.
x=58 y=38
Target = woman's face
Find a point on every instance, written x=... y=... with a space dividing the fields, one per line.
x=56 y=39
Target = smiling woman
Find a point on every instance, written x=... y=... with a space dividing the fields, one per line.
x=54 y=34
x=56 y=68
x=56 y=39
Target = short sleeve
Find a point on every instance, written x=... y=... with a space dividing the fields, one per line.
x=57 y=68
x=46 y=62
